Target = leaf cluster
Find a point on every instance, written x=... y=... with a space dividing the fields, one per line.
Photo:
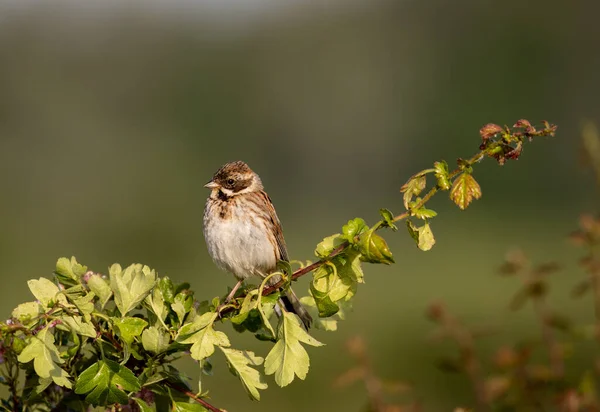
x=106 y=340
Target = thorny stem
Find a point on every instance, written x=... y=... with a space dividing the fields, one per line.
x=195 y=397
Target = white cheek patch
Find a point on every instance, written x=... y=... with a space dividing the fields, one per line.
x=227 y=192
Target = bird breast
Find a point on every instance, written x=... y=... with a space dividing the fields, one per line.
x=238 y=241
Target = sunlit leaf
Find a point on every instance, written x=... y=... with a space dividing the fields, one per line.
x=131 y=285
x=240 y=363
x=100 y=287
x=288 y=358
x=129 y=328
x=464 y=189
x=413 y=187
x=69 y=272
x=26 y=312
x=46 y=292
x=154 y=340
x=354 y=228
x=46 y=358
x=327 y=245
x=78 y=325
x=374 y=248
x=442 y=175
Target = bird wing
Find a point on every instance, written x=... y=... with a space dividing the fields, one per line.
x=282 y=249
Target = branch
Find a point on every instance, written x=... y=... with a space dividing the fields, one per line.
x=195 y=397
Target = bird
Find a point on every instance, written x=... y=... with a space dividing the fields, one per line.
x=243 y=233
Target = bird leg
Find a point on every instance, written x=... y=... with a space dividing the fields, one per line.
x=232 y=293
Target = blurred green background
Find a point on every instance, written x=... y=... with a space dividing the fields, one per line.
x=113 y=116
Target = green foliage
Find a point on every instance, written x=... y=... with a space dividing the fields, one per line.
x=111 y=341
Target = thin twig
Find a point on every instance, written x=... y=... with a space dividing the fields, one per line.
x=195 y=397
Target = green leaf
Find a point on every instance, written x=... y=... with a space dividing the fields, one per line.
x=167 y=289
x=288 y=358
x=413 y=187
x=374 y=249
x=423 y=213
x=85 y=305
x=423 y=235
x=204 y=342
x=129 y=328
x=442 y=175
x=100 y=287
x=179 y=310
x=46 y=292
x=79 y=326
x=26 y=312
x=464 y=189
x=105 y=382
x=131 y=285
x=156 y=301
x=69 y=272
x=240 y=363
x=388 y=219
x=188 y=407
x=328 y=323
x=327 y=245
x=199 y=323
x=353 y=228
x=144 y=407
x=46 y=358
x=154 y=340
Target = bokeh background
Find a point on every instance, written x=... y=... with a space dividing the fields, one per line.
x=114 y=114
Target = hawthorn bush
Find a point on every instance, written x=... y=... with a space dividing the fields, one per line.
x=110 y=340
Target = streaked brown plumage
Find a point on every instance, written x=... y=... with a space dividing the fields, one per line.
x=242 y=231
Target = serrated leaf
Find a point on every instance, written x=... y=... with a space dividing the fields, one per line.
x=131 y=286
x=46 y=292
x=353 y=228
x=424 y=213
x=240 y=363
x=69 y=272
x=79 y=326
x=288 y=358
x=413 y=187
x=46 y=358
x=327 y=245
x=129 y=328
x=442 y=175
x=100 y=287
x=464 y=189
x=204 y=342
x=85 y=305
x=105 y=382
x=154 y=340
x=26 y=312
x=188 y=407
x=388 y=218
x=199 y=323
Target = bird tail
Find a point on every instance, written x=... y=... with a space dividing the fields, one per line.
x=292 y=304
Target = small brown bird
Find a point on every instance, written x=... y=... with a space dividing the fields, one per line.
x=242 y=231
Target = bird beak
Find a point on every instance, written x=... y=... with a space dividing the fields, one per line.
x=211 y=185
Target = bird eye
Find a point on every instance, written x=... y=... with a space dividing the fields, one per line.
x=230 y=182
